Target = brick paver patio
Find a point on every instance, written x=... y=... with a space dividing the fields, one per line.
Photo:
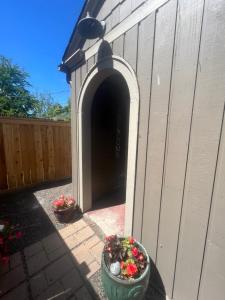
x=57 y=267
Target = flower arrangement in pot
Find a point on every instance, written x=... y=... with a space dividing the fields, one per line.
x=125 y=268
x=8 y=235
x=64 y=208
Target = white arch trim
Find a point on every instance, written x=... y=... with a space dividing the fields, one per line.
x=100 y=71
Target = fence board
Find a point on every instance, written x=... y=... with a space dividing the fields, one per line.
x=33 y=151
x=63 y=152
x=8 y=145
x=51 y=157
x=39 y=153
x=17 y=159
x=56 y=139
x=32 y=154
x=69 y=150
x=3 y=174
x=25 y=154
x=45 y=151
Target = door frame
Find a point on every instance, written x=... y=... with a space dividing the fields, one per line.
x=97 y=74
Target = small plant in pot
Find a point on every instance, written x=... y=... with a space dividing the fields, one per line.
x=125 y=268
x=8 y=234
x=64 y=208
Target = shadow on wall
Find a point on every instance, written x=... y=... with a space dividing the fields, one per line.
x=104 y=51
x=156 y=289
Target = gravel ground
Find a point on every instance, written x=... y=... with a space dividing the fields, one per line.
x=30 y=210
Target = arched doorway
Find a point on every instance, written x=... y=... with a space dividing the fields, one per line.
x=109 y=141
x=109 y=92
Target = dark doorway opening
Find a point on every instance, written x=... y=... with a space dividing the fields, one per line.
x=109 y=141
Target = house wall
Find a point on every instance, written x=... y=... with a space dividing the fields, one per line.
x=178 y=54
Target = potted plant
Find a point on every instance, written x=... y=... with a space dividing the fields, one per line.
x=64 y=208
x=8 y=234
x=125 y=268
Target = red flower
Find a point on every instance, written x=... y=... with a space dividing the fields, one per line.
x=135 y=251
x=110 y=238
x=131 y=240
x=59 y=203
x=1 y=241
x=70 y=201
x=5 y=259
x=132 y=270
x=11 y=237
x=141 y=257
x=122 y=265
x=109 y=249
x=19 y=234
x=63 y=202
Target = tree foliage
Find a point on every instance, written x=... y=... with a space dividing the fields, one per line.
x=16 y=99
x=48 y=108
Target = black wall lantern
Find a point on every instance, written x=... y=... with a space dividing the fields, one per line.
x=91 y=28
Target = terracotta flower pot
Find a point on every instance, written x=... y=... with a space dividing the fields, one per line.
x=64 y=215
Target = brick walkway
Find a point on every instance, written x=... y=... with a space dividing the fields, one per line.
x=56 y=267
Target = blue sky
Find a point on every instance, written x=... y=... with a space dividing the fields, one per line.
x=34 y=34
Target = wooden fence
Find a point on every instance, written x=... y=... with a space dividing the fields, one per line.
x=33 y=151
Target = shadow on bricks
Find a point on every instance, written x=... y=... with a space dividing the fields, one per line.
x=52 y=260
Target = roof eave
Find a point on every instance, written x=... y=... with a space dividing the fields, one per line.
x=72 y=63
x=84 y=9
